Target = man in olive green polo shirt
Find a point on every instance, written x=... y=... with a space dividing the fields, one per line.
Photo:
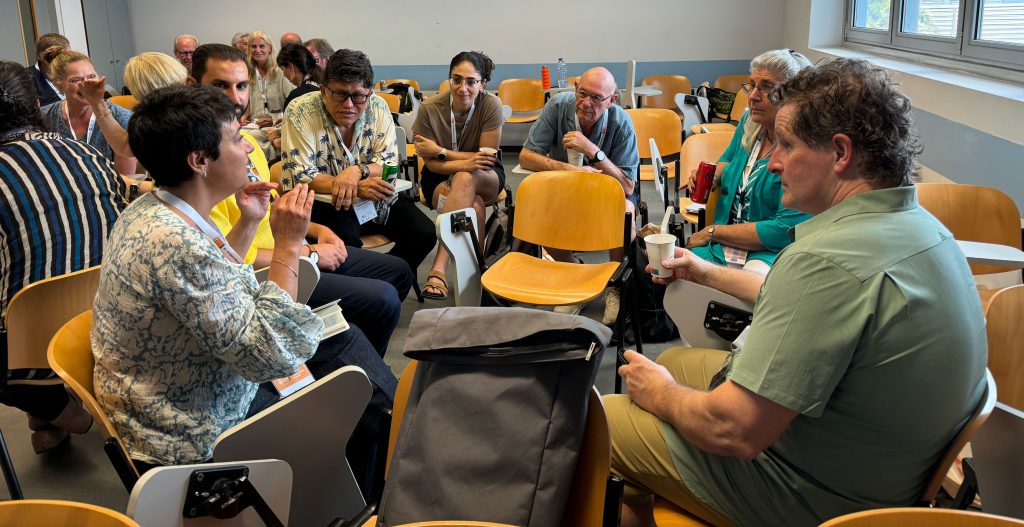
x=867 y=351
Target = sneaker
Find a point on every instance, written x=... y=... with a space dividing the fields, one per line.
x=571 y=309
x=611 y=307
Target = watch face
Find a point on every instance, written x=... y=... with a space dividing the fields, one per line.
x=441 y=155
x=600 y=156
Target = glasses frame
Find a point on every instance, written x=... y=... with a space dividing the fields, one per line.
x=472 y=82
x=340 y=97
x=593 y=98
x=749 y=87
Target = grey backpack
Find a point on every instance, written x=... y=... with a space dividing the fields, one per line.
x=495 y=416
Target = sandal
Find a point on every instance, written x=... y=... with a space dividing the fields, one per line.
x=439 y=284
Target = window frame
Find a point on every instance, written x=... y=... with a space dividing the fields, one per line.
x=963 y=46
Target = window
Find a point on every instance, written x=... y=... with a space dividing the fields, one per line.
x=987 y=31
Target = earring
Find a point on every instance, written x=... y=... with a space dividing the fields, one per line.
x=204 y=173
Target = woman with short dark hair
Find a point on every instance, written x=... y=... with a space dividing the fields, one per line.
x=299 y=67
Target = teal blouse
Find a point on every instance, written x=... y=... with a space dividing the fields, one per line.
x=763 y=206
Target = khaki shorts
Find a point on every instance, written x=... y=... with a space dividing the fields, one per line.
x=639 y=453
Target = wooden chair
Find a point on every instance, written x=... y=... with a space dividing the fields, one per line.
x=920 y=517
x=410 y=82
x=574 y=81
x=739 y=106
x=56 y=513
x=713 y=128
x=1004 y=325
x=585 y=507
x=275 y=172
x=34 y=314
x=667 y=514
x=697 y=148
x=446 y=85
x=578 y=211
x=974 y=213
x=669 y=85
x=70 y=356
x=127 y=102
x=665 y=128
x=522 y=95
x=394 y=101
x=732 y=83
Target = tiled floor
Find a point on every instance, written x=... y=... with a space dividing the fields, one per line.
x=80 y=471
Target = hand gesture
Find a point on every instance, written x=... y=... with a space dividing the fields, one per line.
x=479 y=161
x=289 y=217
x=579 y=142
x=375 y=189
x=691 y=182
x=326 y=237
x=263 y=121
x=330 y=256
x=425 y=148
x=345 y=187
x=685 y=266
x=645 y=379
x=93 y=89
x=253 y=200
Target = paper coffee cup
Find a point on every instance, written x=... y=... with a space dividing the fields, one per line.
x=489 y=151
x=660 y=247
x=575 y=158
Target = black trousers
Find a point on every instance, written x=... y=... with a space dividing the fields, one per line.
x=44 y=402
x=407 y=226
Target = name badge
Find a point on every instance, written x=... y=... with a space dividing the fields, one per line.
x=365 y=211
x=334 y=321
x=735 y=256
x=286 y=386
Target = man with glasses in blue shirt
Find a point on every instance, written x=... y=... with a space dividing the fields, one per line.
x=588 y=122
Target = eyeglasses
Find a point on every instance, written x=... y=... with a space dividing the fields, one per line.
x=468 y=81
x=595 y=99
x=357 y=98
x=80 y=80
x=184 y=53
x=764 y=86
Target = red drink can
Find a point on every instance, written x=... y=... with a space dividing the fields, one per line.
x=705 y=178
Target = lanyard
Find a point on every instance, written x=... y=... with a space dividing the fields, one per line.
x=752 y=160
x=67 y=113
x=600 y=139
x=204 y=225
x=262 y=83
x=341 y=141
x=451 y=109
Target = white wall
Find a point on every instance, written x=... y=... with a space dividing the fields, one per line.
x=12 y=42
x=411 y=32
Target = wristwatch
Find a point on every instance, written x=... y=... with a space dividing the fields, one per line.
x=442 y=155
x=134 y=190
x=598 y=157
x=313 y=255
x=711 y=232
x=365 y=169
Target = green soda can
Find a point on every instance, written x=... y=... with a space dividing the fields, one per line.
x=390 y=173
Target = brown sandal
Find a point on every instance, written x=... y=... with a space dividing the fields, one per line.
x=442 y=286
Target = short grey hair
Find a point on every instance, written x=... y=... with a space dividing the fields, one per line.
x=179 y=37
x=238 y=38
x=783 y=63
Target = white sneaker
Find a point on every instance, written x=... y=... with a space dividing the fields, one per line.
x=571 y=309
x=611 y=306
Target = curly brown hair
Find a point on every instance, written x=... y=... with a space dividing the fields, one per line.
x=858 y=99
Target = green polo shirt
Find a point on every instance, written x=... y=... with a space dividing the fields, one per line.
x=869 y=327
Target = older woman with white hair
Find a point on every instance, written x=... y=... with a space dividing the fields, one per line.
x=751 y=226
x=269 y=86
x=241 y=41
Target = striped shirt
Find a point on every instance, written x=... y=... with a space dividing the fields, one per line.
x=58 y=202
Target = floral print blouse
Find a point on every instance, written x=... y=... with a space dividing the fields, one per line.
x=182 y=336
x=310 y=145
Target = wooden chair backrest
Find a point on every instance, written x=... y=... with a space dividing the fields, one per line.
x=669 y=85
x=275 y=173
x=701 y=147
x=731 y=82
x=523 y=95
x=661 y=124
x=58 y=513
x=585 y=506
x=39 y=310
x=394 y=101
x=410 y=82
x=711 y=206
x=574 y=80
x=739 y=106
x=977 y=419
x=446 y=85
x=921 y=517
x=579 y=211
x=974 y=213
x=70 y=357
x=127 y=102
x=1004 y=324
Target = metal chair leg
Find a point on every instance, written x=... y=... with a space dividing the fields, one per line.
x=9 y=476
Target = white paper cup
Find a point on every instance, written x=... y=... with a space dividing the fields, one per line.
x=489 y=151
x=575 y=158
x=660 y=247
